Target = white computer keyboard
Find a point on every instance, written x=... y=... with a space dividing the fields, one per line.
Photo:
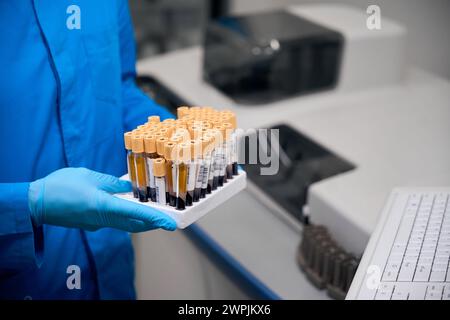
x=408 y=254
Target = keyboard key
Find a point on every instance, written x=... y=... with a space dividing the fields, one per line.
x=415 y=245
x=391 y=270
x=443 y=256
x=438 y=275
x=406 y=271
x=412 y=251
x=390 y=275
x=425 y=260
x=445 y=229
x=417 y=291
x=404 y=231
x=446 y=295
x=421 y=221
x=434 y=229
x=418 y=231
x=431 y=238
x=433 y=295
x=429 y=248
x=422 y=272
x=385 y=291
x=435 y=287
x=400 y=293
x=410 y=212
x=434 y=292
x=398 y=248
x=412 y=259
x=440 y=266
x=395 y=258
x=427 y=254
x=439 y=260
x=443 y=246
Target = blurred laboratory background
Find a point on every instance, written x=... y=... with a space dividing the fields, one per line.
x=359 y=111
x=166 y=25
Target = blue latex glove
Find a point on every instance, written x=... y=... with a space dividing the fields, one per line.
x=81 y=198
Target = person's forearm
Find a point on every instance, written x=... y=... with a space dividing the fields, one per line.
x=14 y=197
x=21 y=243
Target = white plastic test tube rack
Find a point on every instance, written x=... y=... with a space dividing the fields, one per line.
x=186 y=217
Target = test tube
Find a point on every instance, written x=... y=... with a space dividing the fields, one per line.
x=159 y=171
x=130 y=162
x=217 y=156
x=171 y=172
x=234 y=153
x=154 y=126
x=169 y=120
x=195 y=132
x=150 y=155
x=207 y=178
x=160 y=150
x=228 y=149
x=176 y=139
x=209 y=156
x=221 y=155
x=199 y=172
x=182 y=111
x=234 y=138
x=154 y=119
x=164 y=132
x=192 y=171
x=160 y=142
x=181 y=132
x=182 y=160
x=141 y=172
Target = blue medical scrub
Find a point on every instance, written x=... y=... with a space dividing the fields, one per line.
x=66 y=97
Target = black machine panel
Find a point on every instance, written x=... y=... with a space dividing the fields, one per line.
x=270 y=56
x=308 y=162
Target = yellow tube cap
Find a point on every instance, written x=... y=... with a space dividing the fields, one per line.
x=170 y=150
x=138 y=144
x=149 y=144
x=159 y=169
x=169 y=120
x=154 y=119
x=176 y=138
x=160 y=141
x=164 y=131
x=182 y=111
x=127 y=136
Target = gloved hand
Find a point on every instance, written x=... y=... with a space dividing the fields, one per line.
x=80 y=198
